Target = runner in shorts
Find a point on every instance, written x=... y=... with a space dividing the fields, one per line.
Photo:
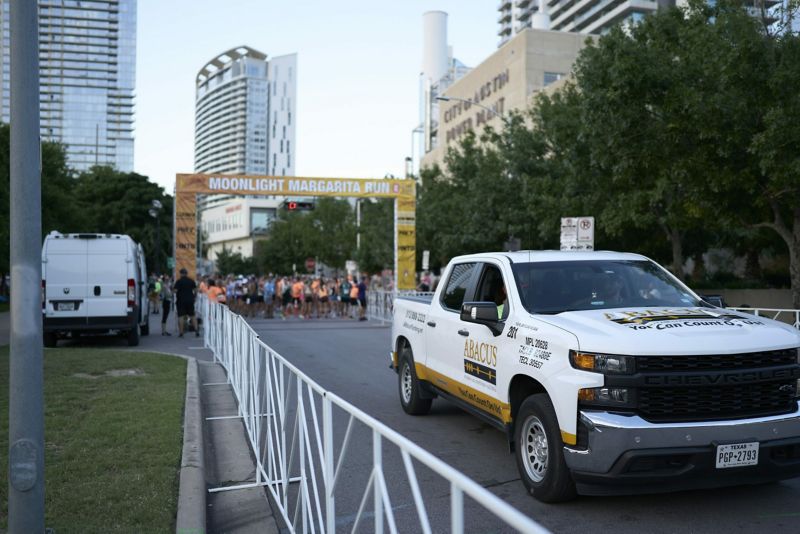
x=185 y=290
x=345 y=293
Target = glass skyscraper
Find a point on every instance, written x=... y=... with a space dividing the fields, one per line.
x=87 y=76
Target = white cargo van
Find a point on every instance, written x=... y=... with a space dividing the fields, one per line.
x=93 y=283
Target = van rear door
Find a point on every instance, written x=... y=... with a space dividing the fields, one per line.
x=107 y=277
x=64 y=272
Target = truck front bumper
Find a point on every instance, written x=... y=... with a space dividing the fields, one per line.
x=627 y=454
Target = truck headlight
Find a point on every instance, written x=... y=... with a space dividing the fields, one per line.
x=608 y=364
x=607 y=396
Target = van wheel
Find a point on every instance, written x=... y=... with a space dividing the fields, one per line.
x=540 y=452
x=409 y=386
x=50 y=340
x=133 y=336
x=146 y=328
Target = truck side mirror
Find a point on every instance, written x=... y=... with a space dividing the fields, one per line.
x=484 y=313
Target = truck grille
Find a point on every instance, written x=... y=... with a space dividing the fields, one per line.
x=668 y=400
x=717 y=362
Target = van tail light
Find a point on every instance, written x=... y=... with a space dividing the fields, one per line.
x=44 y=296
x=131 y=293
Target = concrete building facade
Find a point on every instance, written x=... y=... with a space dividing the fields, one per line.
x=87 y=78
x=507 y=80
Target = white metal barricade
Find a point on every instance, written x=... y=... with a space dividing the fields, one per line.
x=307 y=440
x=776 y=314
x=380 y=304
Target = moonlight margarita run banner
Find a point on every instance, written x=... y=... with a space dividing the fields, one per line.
x=188 y=186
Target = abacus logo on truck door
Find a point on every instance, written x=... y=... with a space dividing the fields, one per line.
x=480 y=360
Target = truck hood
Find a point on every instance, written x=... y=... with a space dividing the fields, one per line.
x=668 y=331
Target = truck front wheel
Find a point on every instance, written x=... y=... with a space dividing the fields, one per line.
x=409 y=386
x=540 y=451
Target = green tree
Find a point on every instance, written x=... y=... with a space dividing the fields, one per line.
x=119 y=202
x=59 y=210
x=377 y=235
x=228 y=262
x=327 y=233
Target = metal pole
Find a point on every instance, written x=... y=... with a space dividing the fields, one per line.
x=26 y=402
x=358 y=224
x=158 y=242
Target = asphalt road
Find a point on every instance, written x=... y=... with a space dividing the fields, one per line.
x=351 y=360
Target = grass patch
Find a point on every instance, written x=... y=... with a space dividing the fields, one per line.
x=113 y=440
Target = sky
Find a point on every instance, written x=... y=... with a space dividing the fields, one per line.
x=358 y=74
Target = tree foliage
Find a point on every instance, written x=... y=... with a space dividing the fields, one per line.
x=677 y=134
x=119 y=203
x=376 y=252
x=327 y=234
x=102 y=200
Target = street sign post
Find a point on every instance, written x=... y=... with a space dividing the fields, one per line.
x=577 y=233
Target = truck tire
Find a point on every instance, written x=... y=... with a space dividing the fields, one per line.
x=408 y=386
x=540 y=452
x=50 y=340
x=133 y=336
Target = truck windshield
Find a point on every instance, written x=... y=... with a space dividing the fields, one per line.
x=559 y=286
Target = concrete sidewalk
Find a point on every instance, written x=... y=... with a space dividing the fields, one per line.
x=229 y=462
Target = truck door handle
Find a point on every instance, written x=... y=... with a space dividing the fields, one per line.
x=464 y=332
x=96 y=291
x=431 y=324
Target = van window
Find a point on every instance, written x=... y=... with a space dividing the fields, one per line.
x=457 y=284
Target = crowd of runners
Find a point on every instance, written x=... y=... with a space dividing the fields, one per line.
x=303 y=297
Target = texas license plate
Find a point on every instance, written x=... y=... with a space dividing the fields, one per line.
x=65 y=306
x=737 y=454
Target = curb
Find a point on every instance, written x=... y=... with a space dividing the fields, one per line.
x=191 y=517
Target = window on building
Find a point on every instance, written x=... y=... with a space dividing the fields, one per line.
x=550 y=77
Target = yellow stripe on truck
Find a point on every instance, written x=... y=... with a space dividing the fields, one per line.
x=474 y=397
x=480 y=400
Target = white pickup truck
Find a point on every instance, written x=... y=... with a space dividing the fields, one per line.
x=608 y=374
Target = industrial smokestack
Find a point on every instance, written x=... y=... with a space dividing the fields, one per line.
x=541 y=19
x=434 y=48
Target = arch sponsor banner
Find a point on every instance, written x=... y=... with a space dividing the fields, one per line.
x=209 y=184
x=188 y=186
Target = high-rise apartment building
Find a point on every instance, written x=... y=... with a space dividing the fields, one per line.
x=577 y=16
x=598 y=16
x=245 y=123
x=245 y=114
x=87 y=77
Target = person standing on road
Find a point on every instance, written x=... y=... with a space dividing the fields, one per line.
x=166 y=304
x=362 y=299
x=185 y=291
x=346 y=286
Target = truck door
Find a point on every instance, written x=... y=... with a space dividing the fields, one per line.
x=445 y=341
x=483 y=351
x=64 y=272
x=107 y=277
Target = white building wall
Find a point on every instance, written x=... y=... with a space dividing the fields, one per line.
x=282 y=115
